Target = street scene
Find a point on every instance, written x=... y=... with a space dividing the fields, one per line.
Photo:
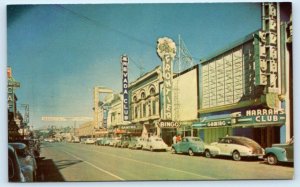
x=150 y=92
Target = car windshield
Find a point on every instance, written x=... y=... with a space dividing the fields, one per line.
x=247 y=142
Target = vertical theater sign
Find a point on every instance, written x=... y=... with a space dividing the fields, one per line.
x=166 y=50
x=124 y=62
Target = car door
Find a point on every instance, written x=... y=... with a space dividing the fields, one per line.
x=222 y=145
x=184 y=145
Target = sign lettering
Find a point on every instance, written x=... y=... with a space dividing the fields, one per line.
x=166 y=49
x=124 y=62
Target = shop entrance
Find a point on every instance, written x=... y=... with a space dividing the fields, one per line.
x=264 y=136
x=167 y=135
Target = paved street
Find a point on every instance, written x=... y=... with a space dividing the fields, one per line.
x=80 y=162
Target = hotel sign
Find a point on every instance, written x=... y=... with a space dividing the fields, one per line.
x=166 y=50
x=124 y=62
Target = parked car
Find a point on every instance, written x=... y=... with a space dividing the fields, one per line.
x=143 y=142
x=33 y=146
x=27 y=161
x=124 y=142
x=135 y=143
x=115 y=141
x=106 y=141
x=90 y=141
x=155 y=143
x=192 y=146
x=75 y=140
x=99 y=141
x=280 y=153
x=238 y=147
x=82 y=140
x=14 y=167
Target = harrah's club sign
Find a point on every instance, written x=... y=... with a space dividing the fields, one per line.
x=166 y=50
x=124 y=62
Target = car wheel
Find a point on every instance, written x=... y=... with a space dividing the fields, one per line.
x=207 y=153
x=191 y=153
x=236 y=156
x=173 y=151
x=272 y=159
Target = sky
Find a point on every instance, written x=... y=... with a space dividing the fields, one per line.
x=60 y=52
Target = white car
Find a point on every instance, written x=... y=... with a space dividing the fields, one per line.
x=155 y=143
x=90 y=141
x=238 y=147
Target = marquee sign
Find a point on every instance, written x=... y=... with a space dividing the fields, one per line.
x=124 y=62
x=166 y=50
x=168 y=124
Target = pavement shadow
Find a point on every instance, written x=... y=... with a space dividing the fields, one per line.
x=48 y=171
x=61 y=164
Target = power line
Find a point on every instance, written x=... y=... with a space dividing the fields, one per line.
x=98 y=24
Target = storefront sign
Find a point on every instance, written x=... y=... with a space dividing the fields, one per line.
x=213 y=123
x=10 y=99
x=125 y=127
x=124 y=62
x=262 y=116
x=166 y=50
x=168 y=124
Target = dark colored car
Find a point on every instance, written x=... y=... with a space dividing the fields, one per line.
x=27 y=161
x=280 y=153
x=33 y=146
x=14 y=167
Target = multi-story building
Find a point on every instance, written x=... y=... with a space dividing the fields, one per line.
x=144 y=102
x=244 y=89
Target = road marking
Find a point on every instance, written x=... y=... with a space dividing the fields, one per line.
x=107 y=172
x=177 y=170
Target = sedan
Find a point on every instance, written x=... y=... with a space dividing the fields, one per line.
x=14 y=167
x=192 y=146
x=90 y=141
x=238 y=147
x=27 y=161
x=280 y=153
x=155 y=143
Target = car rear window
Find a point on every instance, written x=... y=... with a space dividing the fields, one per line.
x=247 y=142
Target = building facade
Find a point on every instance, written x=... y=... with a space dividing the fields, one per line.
x=245 y=89
x=144 y=102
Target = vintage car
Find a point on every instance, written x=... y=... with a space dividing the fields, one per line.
x=99 y=141
x=192 y=146
x=115 y=141
x=124 y=142
x=238 y=147
x=106 y=141
x=135 y=143
x=90 y=141
x=33 y=146
x=27 y=161
x=280 y=153
x=155 y=143
x=15 y=173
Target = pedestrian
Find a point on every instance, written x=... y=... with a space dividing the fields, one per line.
x=178 y=138
x=174 y=139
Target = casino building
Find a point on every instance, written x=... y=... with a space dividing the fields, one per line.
x=245 y=89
